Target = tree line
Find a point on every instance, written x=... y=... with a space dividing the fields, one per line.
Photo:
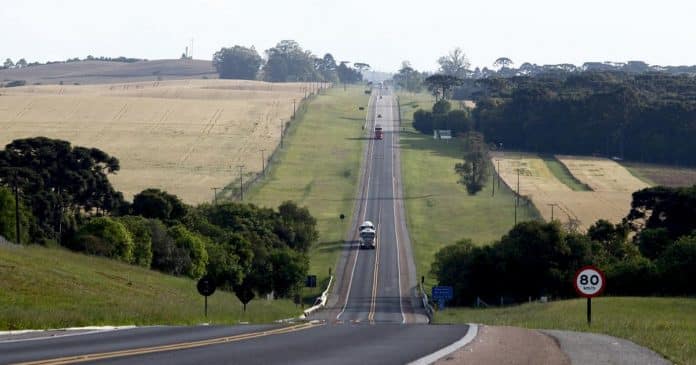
x=64 y=198
x=21 y=63
x=286 y=62
x=539 y=259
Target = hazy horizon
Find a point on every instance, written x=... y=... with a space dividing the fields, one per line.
x=381 y=34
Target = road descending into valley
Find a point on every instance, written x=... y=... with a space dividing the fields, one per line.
x=374 y=315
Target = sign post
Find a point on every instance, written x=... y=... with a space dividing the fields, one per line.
x=442 y=294
x=589 y=282
x=206 y=288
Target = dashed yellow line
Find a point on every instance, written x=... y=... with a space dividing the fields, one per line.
x=178 y=346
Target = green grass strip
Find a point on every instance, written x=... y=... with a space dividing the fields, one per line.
x=561 y=172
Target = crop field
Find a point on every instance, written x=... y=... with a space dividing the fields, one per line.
x=662 y=174
x=611 y=184
x=183 y=136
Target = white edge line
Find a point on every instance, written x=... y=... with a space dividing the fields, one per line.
x=62 y=333
x=367 y=194
x=429 y=359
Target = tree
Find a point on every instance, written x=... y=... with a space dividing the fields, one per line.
x=166 y=255
x=21 y=63
x=194 y=245
x=409 y=79
x=57 y=179
x=503 y=62
x=155 y=203
x=327 y=68
x=455 y=63
x=361 y=66
x=287 y=61
x=139 y=229
x=8 y=63
x=296 y=226
x=678 y=266
x=104 y=236
x=237 y=63
x=8 y=226
x=474 y=170
x=441 y=85
x=661 y=207
x=348 y=75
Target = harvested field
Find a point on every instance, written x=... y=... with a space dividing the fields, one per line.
x=610 y=199
x=662 y=174
x=181 y=136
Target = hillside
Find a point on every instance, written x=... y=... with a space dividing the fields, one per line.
x=54 y=288
x=182 y=136
x=102 y=72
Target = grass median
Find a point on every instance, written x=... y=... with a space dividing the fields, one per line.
x=55 y=288
x=319 y=168
x=665 y=325
x=439 y=211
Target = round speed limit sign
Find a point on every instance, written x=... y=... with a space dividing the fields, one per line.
x=589 y=282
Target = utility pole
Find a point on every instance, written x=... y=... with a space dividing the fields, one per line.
x=493 y=181
x=498 y=161
x=552 y=205
x=241 y=182
x=17 y=227
x=517 y=202
x=263 y=163
x=215 y=194
x=293 y=109
x=281 y=134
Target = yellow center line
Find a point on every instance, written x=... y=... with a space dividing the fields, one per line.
x=171 y=347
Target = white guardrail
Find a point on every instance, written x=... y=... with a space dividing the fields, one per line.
x=426 y=303
x=321 y=301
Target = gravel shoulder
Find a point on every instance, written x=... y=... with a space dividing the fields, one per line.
x=593 y=348
x=508 y=345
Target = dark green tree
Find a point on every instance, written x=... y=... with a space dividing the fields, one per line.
x=237 y=63
x=441 y=86
x=139 y=228
x=287 y=61
x=104 y=236
x=155 y=203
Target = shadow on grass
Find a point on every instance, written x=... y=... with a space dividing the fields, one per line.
x=357 y=138
x=349 y=118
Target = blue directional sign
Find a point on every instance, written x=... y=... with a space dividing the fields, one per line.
x=443 y=292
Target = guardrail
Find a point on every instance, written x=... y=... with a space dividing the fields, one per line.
x=426 y=303
x=321 y=299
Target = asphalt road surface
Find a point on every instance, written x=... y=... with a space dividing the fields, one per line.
x=378 y=285
x=299 y=344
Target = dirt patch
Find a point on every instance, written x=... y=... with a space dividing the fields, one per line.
x=508 y=345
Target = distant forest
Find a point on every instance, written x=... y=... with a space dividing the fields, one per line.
x=644 y=117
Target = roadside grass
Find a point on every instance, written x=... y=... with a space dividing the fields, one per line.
x=439 y=211
x=563 y=174
x=665 y=325
x=319 y=168
x=666 y=175
x=55 y=288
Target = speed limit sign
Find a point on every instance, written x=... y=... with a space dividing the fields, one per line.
x=589 y=282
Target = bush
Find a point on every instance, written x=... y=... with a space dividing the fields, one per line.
x=653 y=242
x=632 y=276
x=678 y=267
x=158 y=204
x=142 y=239
x=194 y=246
x=166 y=256
x=105 y=237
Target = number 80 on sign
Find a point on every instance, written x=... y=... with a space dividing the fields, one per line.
x=589 y=282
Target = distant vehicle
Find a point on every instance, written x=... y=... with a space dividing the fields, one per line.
x=378 y=132
x=365 y=225
x=367 y=234
x=379 y=115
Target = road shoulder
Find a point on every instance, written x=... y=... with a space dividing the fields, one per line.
x=508 y=345
x=594 y=348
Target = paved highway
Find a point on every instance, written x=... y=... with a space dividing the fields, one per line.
x=378 y=286
x=299 y=344
x=374 y=297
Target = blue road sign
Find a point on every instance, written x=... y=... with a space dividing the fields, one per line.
x=442 y=292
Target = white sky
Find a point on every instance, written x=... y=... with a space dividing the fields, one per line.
x=379 y=32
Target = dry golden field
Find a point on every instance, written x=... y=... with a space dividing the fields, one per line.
x=183 y=136
x=611 y=183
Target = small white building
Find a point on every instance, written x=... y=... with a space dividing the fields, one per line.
x=442 y=134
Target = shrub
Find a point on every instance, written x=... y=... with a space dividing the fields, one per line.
x=194 y=245
x=678 y=266
x=632 y=276
x=142 y=239
x=166 y=256
x=104 y=236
